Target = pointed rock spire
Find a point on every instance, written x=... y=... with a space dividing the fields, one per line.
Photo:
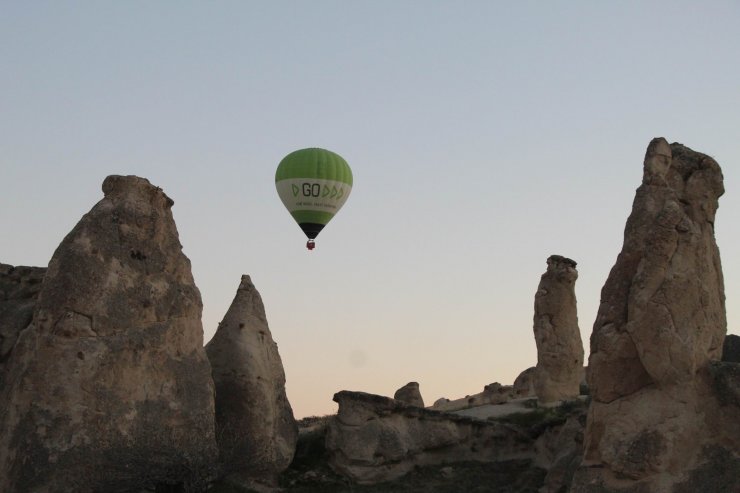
x=256 y=430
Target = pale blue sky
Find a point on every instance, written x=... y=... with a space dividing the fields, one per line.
x=483 y=136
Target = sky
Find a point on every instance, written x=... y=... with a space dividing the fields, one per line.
x=483 y=136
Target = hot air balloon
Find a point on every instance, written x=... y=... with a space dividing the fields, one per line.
x=313 y=185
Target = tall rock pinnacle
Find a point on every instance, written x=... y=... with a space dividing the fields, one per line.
x=559 y=347
x=662 y=312
x=256 y=431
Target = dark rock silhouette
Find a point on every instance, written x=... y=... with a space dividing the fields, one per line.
x=19 y=290
x=731 y=349
x=109 y=387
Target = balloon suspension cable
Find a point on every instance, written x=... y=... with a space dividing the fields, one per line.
x=310 y=244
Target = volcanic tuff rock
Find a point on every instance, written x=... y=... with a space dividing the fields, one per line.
x=410 y=394
x=662 y=314
x=19 y=290
x=659 y=409
x=731 y=349
x=255 y=427
x=559 y=347
x=493 y=393
x=524 y=383
x=560 y=449
x=374 y=439
x=109 y=388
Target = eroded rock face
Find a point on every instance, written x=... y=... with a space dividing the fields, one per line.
x=374 y=439
x=524 y=383
x=662 y=314
x=559 y=348
x=109 y=388
x=657 y=401
x=440 y=401
x=19 y=290
x=559 y=451
x=410 y=394
x=257 y=433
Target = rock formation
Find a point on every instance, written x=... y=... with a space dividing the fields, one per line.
x=559 y=450
x=410 y=394
x=109 y=387
x=731 y=349
x=440 y=401
x=19 y=290
x=493 y=393
x=663 y=415
x=375 y=439
x=255 y=427
x=524 y=383
x=559 y=348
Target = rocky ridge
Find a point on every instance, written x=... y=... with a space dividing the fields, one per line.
x=375 y=438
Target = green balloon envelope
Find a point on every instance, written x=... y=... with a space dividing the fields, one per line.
x=313 y=185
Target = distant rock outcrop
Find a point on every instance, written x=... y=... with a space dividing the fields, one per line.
x=109 y=387
x=524 y=383
x=440 y=401
x=493 y=393
x=256 y=430
x=19 y=290
x=559 y=347
x=731 y=349
x=374 y=439
x=662 y=411
x=410 y=394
